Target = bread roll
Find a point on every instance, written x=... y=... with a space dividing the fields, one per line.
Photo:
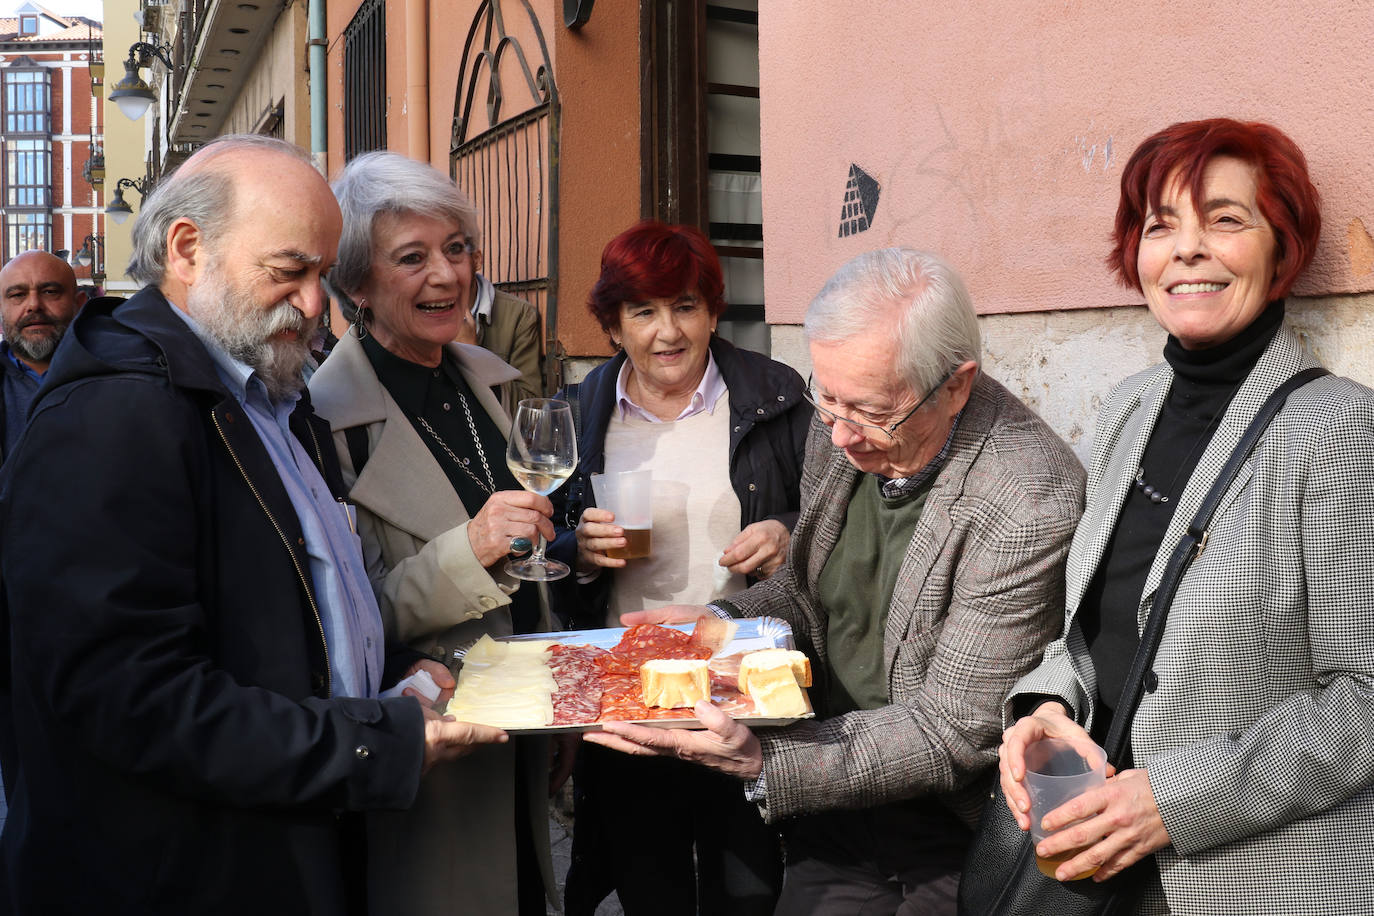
x=675 y=683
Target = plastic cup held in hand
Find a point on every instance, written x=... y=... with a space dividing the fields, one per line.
x=630 y=495
x=1057 y=773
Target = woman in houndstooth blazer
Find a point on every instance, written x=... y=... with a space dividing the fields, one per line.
x=1253 y=758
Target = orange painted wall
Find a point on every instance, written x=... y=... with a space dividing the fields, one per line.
x=337 y=17
x=599 y=83
x=597 y=73
x=998 y=133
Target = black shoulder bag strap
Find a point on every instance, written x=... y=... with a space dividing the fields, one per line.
x=574 y=399
x=1190 y=546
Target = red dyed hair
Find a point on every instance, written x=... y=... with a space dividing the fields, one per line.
x=653 y=260
x=1284 y=192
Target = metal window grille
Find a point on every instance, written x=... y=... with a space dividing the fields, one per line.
x=365 y=80
x=508 y=166
x=505 y=171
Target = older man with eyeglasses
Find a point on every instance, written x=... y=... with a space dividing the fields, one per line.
x=925 y=575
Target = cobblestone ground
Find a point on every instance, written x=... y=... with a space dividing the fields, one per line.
x=560 y=837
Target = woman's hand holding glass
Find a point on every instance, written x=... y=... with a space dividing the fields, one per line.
x=1113 y=827
x=509 y=514
x=542 y=454
x=596 y=534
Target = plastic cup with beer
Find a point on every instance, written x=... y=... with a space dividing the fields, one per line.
x=630 y=495
x=1056 y=773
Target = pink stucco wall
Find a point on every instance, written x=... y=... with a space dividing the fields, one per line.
x=997 y=131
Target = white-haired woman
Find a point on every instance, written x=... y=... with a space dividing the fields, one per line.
x=421 y=439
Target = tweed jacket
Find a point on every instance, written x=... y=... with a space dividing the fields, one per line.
x=513 y=335
x=1257 y=736
x=435 y=595
x=974 y=603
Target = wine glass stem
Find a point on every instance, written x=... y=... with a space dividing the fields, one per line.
x=537 y=558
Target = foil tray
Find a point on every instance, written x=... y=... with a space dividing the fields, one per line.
x=754 y=633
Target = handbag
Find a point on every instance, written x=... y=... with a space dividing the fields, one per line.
x=1000 y=877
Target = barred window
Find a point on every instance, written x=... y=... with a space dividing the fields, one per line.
x=26 y=99
x=28 y=173
x=365 y=80
x=27 y=232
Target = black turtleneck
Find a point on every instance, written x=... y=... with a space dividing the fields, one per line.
x=434 y=393
x=1204 y=383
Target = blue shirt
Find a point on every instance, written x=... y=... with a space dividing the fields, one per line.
x=348 y=608
x=20 y=384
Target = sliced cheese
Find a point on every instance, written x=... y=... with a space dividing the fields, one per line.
x=765 y=659
x=774 y=678
x=505 y=684
x=675 y=683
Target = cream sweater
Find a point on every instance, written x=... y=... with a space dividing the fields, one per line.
x=696 y=511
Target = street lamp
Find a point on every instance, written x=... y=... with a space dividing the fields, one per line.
x=91 y=246
x=118 y=210
x=132 y=94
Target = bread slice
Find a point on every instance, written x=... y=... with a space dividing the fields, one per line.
x=675 y=683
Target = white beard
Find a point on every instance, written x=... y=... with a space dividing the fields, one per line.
x=247 y=331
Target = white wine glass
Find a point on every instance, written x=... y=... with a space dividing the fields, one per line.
x=542 y=453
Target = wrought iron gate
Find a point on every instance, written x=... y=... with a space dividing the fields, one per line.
x=510 y=167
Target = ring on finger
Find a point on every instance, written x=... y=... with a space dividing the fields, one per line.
x=519 y=546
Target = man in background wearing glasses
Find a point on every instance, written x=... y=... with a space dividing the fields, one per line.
x=925 y=575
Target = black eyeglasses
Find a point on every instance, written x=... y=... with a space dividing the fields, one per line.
x=867 y=430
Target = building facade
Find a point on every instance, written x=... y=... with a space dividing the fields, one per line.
x=51 y=137
x=798 y=134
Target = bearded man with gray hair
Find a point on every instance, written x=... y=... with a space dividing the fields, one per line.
x=925 y=574
x=192 y=652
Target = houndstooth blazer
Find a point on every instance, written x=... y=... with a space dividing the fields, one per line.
x=972 y=608
x=1259 y=736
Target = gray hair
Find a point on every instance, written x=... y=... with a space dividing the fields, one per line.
x=937 y=329
x=383 y=182
x=203 y=196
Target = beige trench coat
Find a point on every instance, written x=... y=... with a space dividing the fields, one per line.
x=454 y=850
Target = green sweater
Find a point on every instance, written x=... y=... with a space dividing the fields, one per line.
x=855 y=589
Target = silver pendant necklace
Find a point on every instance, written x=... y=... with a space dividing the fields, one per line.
x=489 y=485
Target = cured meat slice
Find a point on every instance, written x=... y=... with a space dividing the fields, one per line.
x=577 y=697
x=648 y=641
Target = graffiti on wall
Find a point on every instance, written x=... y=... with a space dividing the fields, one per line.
x=860 y=201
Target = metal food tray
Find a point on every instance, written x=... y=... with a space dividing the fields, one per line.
x=754 y=633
